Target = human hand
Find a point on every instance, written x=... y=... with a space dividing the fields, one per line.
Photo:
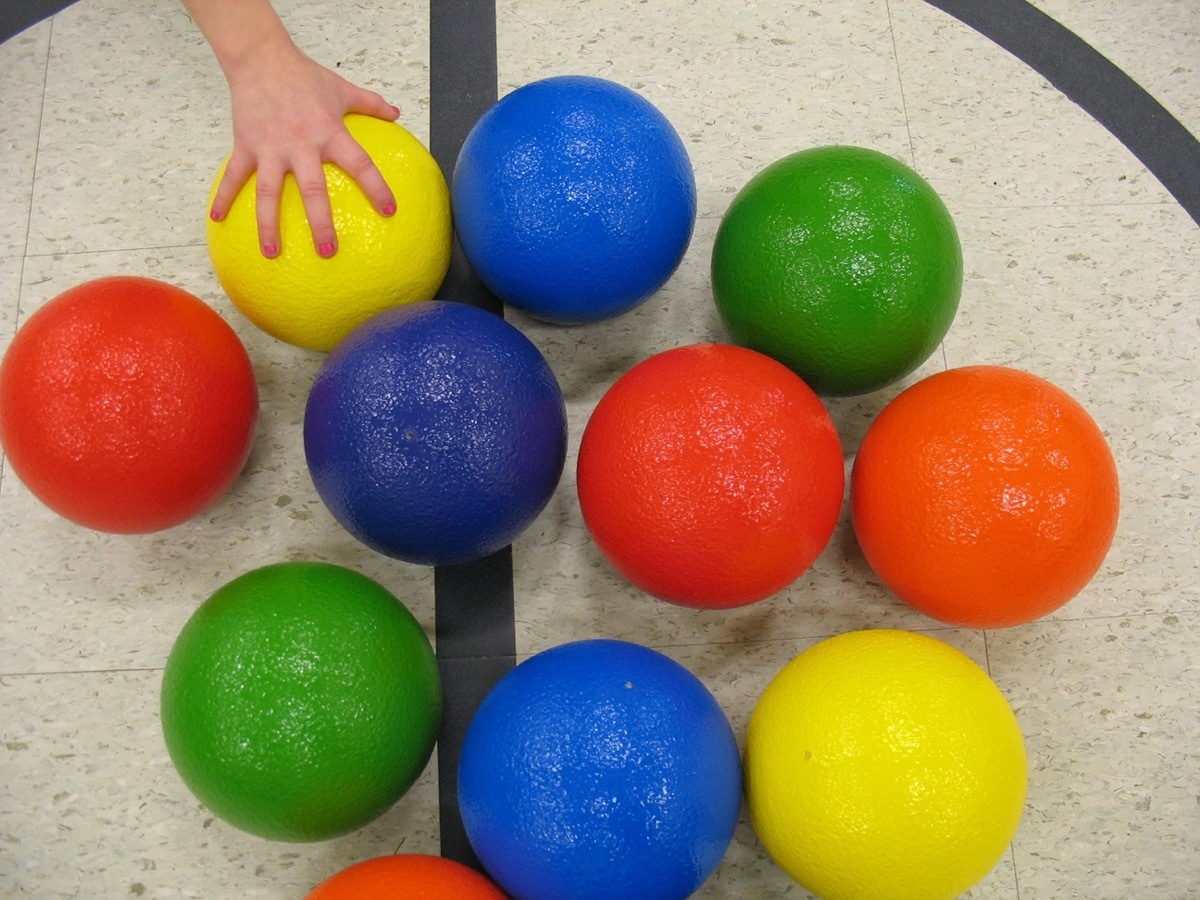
x=288 y=119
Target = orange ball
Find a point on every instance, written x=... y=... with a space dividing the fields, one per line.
x=710 y=476
x=127 y=405
x=408 y=875
x=984 y=497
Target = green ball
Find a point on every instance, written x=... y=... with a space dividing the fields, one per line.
x=300 y=701
x=841 y=263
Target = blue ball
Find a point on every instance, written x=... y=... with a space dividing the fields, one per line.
x=574 y=199
x=599 y=769
x=435 y=433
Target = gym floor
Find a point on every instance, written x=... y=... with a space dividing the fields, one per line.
x=1081 y=266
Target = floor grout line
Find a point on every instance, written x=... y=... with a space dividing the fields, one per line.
x=37 y=150
x=24 y=254
x=73 y=672
x=932 y=628
x=716 y=216
x=912 y=147
x=63 y=254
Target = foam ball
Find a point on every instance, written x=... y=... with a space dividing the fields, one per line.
x=127 y=405
x=574 y=199
x=312 y=301
x=599 y=769
x=300 y=701
x=435 y=433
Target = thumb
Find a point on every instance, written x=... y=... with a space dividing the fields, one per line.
x=368 y=103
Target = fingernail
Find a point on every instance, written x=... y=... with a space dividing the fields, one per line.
x=270 y=251
x=389 y=208
x=327 y=249
x=396 y=110
x=214 y=215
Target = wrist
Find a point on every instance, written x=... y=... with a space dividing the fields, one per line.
x=255 y=57
x=243 y=34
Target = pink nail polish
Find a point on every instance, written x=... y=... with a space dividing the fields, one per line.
x=396 y=110
x=214 y=215
x=270 y=251
x=389 y=209
x=327 y=249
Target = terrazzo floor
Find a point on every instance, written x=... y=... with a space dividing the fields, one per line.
x=1080 y=267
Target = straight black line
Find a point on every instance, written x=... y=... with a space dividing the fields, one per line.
x=473 y=602
x=476 y=639
x=475 y=627
x=1088 y=78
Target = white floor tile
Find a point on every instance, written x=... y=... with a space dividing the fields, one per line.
x=104 y=815
x=989 y=133
x=1108 y=709
x=1079 y=267
x=790 y=77
x=22 y=76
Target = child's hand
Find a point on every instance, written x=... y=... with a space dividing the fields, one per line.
x=287 y=118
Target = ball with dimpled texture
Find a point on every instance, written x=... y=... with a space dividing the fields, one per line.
x=599 y=769
x=127 y=405
x=840 y=262
x=300 y=701
x=574 y=199
x=435 y=433
x=303 y=298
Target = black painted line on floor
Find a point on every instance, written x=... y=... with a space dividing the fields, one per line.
x=476 y=637
x=1094 y=83
x=473 y=602
x=475 y=627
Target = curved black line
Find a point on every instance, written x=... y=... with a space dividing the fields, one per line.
x=474 y=603
x=1085 y=76
x=18 y=15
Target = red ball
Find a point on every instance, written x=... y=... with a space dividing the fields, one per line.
x=710 y=476
x=127 y=405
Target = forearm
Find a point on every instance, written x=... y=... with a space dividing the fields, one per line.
x=240 y=32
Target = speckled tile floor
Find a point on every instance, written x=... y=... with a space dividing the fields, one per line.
x=1080 y=267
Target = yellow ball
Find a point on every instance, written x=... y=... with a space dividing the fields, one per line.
x=382 y=262
x=884 y=764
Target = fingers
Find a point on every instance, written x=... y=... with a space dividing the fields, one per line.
x=304 y=159
x=314 y=192
x=368 y=103
x=237 y=172
x=268 y=193
x=310 y=178
x=268 y=190
x=349 y=156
